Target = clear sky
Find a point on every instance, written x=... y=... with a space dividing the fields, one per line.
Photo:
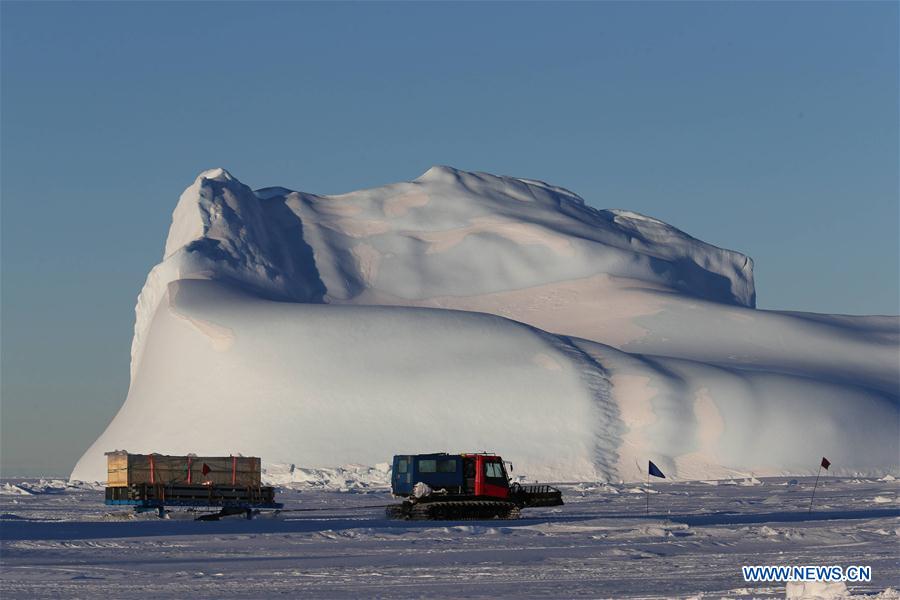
x=769 y=128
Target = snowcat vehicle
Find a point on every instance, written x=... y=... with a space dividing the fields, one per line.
x=445 y=486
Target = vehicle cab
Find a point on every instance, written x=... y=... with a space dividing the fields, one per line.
x=480 y=475
x=490 y=477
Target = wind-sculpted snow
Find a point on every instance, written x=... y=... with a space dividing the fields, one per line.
x=318 y=385
x=448 y=233
x=465 y=311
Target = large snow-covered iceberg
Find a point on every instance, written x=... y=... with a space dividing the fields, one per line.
x=465 y=311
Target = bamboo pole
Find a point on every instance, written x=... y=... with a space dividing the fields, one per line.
x=814 y=489
x=647 y=489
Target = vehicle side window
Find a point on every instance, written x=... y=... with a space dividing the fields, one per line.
x=427 y=466
x=446 y=466
x=402 y=465
x=493 y=470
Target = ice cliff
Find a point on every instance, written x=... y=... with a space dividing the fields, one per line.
x=465 y=311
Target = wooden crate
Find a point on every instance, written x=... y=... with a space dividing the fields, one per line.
x=124 y=469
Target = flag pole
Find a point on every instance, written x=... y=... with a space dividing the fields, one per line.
x=647 y=489
x=814 y=489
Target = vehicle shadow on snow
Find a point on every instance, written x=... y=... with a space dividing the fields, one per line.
x=82 y=530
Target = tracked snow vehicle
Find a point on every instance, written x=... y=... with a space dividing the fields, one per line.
x=445 y=486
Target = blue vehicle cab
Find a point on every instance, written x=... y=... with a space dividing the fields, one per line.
x=439 y=470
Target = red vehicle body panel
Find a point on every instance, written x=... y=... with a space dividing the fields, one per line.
x=490 y=487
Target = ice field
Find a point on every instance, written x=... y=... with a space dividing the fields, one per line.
x=63 y=542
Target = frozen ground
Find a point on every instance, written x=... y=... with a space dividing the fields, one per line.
x=60 y=542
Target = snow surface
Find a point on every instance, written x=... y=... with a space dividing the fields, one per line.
x=464 y=311
x=600 y=544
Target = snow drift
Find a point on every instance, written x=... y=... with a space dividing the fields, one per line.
x=465 y=311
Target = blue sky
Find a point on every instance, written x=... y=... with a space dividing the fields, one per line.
x=769 y=128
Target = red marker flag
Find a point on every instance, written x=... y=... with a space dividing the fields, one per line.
x=205 y=470
x=825 y=463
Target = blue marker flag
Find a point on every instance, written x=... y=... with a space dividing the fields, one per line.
x=654 y=470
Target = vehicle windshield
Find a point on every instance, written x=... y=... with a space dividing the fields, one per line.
x=494 y=470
